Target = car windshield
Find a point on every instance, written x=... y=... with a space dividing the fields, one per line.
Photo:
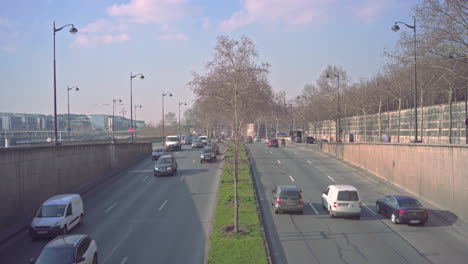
x=56 y=255
x=207 y=150
x=348 y=196
x=202 y=138
x=172 y=139
x=289 y=194
x=273 y=140
x=51 y=211
x=164 y=161
x=158 y=150
x=409 y=203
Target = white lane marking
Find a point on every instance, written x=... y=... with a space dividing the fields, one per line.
x=110 y=208
x=181 y=178
x=145 y=178
x=135 y=171
x=309 y=162
x=193 y=161
x=331 y=178
x=295 y=152
x=117 y=245
x=369 y=209
x=315 y=210
x=271 y=152
x=292 y=179
x=124 y=260
x=162 y=206
x=279 y=162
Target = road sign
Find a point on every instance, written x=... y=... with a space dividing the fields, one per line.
x=68 y=129
x=130 y=130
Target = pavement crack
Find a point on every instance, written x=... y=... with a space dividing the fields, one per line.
x=340 y=253
x=356 y=248
x=304 y=239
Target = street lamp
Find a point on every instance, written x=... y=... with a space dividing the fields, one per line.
x=113 y=116
x=68 y=104
x=183 y=103
x=413 y=27
x=338 y=128
x=163 y=94
x=73 y=30
x=131 y=98
x=136 y=106
x=306 y=125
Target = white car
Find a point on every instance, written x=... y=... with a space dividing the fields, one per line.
x=72 y=249
x=57 y=216
x=173 y=143
x=203 y=139
x=342 y=200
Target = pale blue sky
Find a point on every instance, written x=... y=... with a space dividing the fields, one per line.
x=168 y=39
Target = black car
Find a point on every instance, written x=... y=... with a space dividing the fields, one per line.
x=402 y=209
x=166 y=165
x=157 y=153
x=208 y=154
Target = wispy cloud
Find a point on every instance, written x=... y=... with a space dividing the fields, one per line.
x=8 y=48
x=105 y=25
x=151 y=11
x=86 y=40
x=5 y=22
x=369 y=10
x=291 y=12
x=206 y=23
x=173 y=36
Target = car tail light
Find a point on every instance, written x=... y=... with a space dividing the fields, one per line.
x=301 y=201
x=402 y=212
x=426 y=212
x=334 y=204
x=278 y=200
x=360 y=205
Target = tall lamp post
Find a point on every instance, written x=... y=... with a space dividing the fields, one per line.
x=180 y=103
x=131 y=96
x=136 y=106
x=68 y=107
x=163 y=94
x=413 y=27
x=338 y=128
x=306 y=125
x=113 y=116
x=73 y=30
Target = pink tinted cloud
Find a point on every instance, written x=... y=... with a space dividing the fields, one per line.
x=86 y=40
x=150 y=11
x=173 y=36
x=368 y=11
x=104 y=25
x=293 y=12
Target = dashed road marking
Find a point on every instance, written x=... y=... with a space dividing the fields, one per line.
x=372 y=212
x=124 y=260
x=309 y=162
x=182 y=178
x=145 y=178
x=162 y=206
x=292 y=179
x=315 y=210
x=110 y=208
x=331 y=179
x=279 y=162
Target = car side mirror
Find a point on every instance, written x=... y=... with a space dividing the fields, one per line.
x=81 y=259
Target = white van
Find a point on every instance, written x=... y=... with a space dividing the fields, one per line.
x=342 y=200
x=173 y=143
x=57 y=216
x=203 y=139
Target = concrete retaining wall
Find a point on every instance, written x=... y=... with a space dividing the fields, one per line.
x=29 y=176
x=437 y=173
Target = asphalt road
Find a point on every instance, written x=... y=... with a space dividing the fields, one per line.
x=317 y=238
x=138 y=218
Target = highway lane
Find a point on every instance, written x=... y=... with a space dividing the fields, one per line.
x=138 y=218
x=316 y=238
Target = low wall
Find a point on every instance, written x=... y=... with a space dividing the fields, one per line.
x=29 y=176
x=437 y=173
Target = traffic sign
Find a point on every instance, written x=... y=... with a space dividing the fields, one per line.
x=68 y=129
x=130 y=130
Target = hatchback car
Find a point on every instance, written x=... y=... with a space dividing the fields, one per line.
x=166 y=165
x=69 y=249
x=402 y=209
x=197 y=144
x=287 y=198
x=208 y=154
x=157 y=153
x=273 y=143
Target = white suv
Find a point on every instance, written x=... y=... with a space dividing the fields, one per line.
x=173 y=143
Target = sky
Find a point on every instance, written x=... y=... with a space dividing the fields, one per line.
x=168 y=40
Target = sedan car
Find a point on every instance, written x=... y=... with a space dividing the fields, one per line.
x=402 y=209
x=157 y=153
x=208 y=154
x=197 y=144
x=287 y=198
x=70 y=249
x=214 y=146
x=273 y=142
x=166 y=165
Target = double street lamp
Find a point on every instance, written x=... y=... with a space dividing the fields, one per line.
x=338 y=128
x=163 y=94
x=306 y=125
x=73 y=30
x=131 y=96
x=134 y=129
x=68 y=106
x=180 y=103
x=114 y=100
x=395 y=28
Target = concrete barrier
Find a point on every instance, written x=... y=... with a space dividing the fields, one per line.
x=29 y=176
x=437 y=173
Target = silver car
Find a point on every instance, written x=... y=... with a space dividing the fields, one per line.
x=166 y=165
x=197 y=144
x=287 y=198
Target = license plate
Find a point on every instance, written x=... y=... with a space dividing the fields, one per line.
x=42 y=232
x=414 y=221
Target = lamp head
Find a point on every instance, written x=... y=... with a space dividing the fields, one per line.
x=328 y=75
x=395 y=28
x=120 y=100
x=77 y=89
x=170 y=94
x=185 y=103
x=142 y=76
x=73 y=30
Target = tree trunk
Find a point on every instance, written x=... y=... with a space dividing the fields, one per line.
x=450 y=114
x=365 y=126
x=422 y=115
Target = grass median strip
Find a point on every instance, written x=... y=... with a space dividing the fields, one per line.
x=247 y=246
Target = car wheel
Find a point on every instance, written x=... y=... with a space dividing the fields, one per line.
x=301 y=212
x=80 y=220
x=394 y=219
x=422 y=223
x=378 y=208
x=95 y=259
x=331 y=213
x=201 y=161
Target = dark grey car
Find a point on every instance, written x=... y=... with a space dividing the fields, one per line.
x=157 y=153
x=214 y=146
x=207 y=154
x=166 y=165
x=287 y=198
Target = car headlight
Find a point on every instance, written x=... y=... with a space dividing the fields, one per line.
x=202 y=156
x=156 y=168
x=169 y=168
